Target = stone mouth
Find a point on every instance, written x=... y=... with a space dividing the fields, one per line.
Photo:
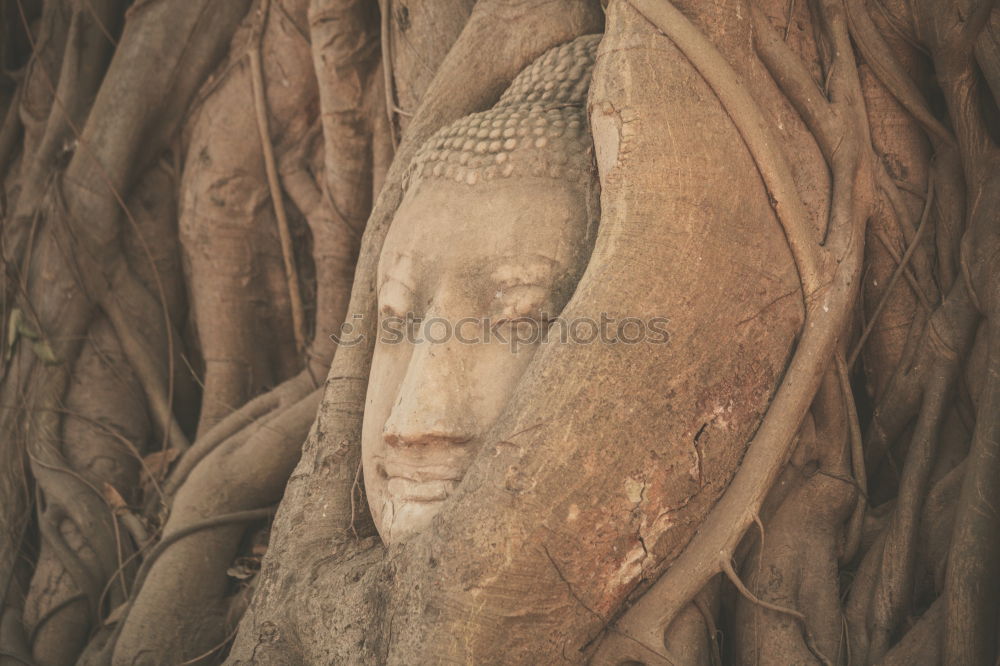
x=408 y=482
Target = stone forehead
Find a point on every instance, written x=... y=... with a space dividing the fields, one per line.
x=538 y=128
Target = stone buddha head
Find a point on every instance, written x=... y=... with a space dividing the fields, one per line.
x=494 y=231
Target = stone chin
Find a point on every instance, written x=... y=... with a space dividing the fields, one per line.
x=405 y=518
x=412 y=502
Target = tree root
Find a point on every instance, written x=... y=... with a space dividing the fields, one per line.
x=727 y=568
x=239 y=475
x=235 y=518
x=878 y=54
x=922 y=643
x=900 y=269
x=277 y=197
x=108 y=162
x=248 y=419
x=928 y=546
x=971 y=583
x=829 y=296
x=73 y=559
x=892 y=589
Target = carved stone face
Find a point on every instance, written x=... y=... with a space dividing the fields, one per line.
x=508 y=248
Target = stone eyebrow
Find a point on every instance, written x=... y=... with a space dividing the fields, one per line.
x=389 y=279
x=398 y=271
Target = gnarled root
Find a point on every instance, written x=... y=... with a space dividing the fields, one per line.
x=794 y=561
x=104 y=415
x=177 y=614
x=240 y=293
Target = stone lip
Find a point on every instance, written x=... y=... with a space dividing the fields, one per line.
x=407 y=490
x=414 y=482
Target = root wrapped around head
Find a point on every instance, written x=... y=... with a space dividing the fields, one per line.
x=538 y=128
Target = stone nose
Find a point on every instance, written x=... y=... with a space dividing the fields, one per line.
x=433 y=406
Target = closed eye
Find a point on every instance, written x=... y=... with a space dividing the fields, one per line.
x=524 y=300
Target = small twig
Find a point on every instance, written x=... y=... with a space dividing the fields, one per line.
x=849 y=480
x=401 y=111
x=845 y=638
x=225 y=641
x=727 y=568
x=355 y=492
x=910 y=188
x=387 y=73
x=16 y=657
x=100 y=24
x=856 y=524
x=660 y=653
x=172 y=538
x=760 y=573
x=52 y=612
x=134 y=527
x=760 y=527
x=713 y=630
x=118 y=554
x=273 y=182
x=911 y=278
x=896 y=274
x=788 y=21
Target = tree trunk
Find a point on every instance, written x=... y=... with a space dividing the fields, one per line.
x=203 y=204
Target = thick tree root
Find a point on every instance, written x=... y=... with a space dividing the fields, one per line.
x=242 y=292
x=183 y=593
x=874 y=546
x=829 y=293
x=72 y=254
x=104 y=391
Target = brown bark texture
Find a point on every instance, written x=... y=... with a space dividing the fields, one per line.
x=194 y=198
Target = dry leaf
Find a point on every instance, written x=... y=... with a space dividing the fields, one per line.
x=116 y=615
x=244 y=568
x=44 y=352
x=114 y=498
x=158 y=463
